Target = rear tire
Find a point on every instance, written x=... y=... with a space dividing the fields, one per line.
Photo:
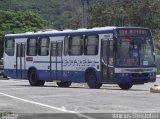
x=125 y=86
x=33 y=79
x=64 y=84
x=4 y=76
x=92 y=80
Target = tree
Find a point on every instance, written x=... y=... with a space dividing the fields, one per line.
x=58 y=13
x=18 y=22
x=144 y=13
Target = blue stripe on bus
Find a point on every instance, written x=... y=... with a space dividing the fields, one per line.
x=47 y=61
x=149 y=66
x=75 y=76
x=55 y=62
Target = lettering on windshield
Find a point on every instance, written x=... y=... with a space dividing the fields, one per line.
x=132 y=31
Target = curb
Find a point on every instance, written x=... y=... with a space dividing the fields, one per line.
x=157 y=76
x=155 y=89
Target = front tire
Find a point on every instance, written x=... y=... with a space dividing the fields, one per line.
x=92 y=80
x=4 y=76
x=125 y=86
x=33 y=79
x=64 y=84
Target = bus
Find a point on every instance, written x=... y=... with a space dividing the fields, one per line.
x=101 y=55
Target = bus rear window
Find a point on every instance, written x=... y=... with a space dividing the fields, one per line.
x=9 y=47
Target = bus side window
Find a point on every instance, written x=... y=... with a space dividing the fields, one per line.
x=18 y=50
x=32 y=47
x=59 y=49
x=110 y=46
x=9 y=47
x=75 y=45
x=91 y=45
x=43 y=47
x=66 y=44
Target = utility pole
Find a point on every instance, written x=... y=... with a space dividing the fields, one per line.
x=84 y=13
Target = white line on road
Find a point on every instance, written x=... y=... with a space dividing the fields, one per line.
x=12 y=89
x=45 y=96
x=45 y=105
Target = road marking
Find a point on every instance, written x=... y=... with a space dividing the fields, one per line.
x=12 y=89
x=44 y=96
x=48 y=106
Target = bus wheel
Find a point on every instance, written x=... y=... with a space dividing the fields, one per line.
x=125 y=86
x=64 y=84
x=4 y=76
x=92 y=80
x=33 y=79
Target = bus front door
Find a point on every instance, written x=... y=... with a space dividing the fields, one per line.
x=20 y=60
x=107 y=60
x=56 y=67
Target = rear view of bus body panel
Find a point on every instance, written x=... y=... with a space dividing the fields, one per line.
x=14 y=64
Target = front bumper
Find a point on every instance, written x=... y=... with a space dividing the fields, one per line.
x=135 y=78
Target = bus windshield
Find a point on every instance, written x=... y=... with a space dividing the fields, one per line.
x=135 y=51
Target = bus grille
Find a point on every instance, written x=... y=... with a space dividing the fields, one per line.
x=140 y=75
x=140 y=78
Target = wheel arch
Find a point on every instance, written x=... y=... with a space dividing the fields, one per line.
x=32 y=68
x=89 y=70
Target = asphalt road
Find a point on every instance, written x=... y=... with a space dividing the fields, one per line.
x=16 y=96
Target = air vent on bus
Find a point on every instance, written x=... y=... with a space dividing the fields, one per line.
x=50 y=30
x=67 y=30
x=96 y=28
x=28 y=32
x=81 y=29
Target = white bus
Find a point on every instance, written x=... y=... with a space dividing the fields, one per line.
x=95 y=56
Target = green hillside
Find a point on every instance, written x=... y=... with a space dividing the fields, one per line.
x=59 y=13
x=66 y=14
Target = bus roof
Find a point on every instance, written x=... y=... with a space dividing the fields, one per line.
x=53 y=32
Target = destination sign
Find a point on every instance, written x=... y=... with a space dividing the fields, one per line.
x=132 y=31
